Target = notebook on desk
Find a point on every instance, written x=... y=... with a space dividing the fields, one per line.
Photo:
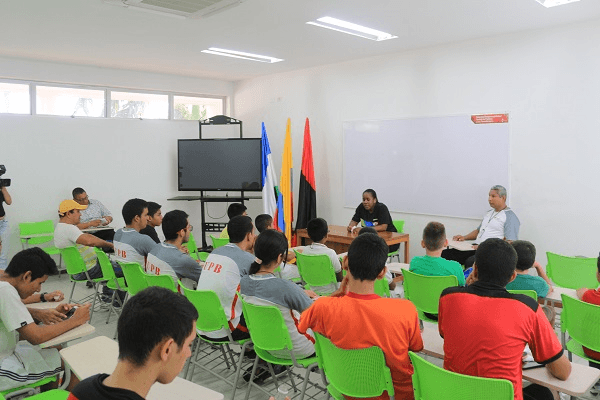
x=465 y=245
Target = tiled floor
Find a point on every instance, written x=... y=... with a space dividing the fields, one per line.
x=205 y=379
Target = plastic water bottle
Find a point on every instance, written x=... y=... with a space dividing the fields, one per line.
x=282 y=393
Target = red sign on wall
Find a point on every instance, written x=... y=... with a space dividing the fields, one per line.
x=489 y=118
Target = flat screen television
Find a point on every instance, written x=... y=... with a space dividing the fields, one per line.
x=219 y=164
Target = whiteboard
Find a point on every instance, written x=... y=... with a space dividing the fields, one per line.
x=435 y=165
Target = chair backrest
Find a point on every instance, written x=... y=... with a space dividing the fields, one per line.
x=73 y=260
x=218 y=242
x=527 y=292
x=315 y=270
x=36 y=228
x=582 y=321
x=191 y=245
x=433 y=382
x=354 y=372
x=399 y=224
x=211 y=316
x=572 y=272
x=108 y=272
x=382 y=288
x=424 y=291
x=267 y=327
x=202 y=255
x=164 y=281
x=135 y=277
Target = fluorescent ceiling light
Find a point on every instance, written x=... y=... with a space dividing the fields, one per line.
x=552 y=3
x=352 y=29
x=242 y=55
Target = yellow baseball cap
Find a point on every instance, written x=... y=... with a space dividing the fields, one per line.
x=68 y=205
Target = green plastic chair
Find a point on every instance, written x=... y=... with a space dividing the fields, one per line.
x=39 y=228
x=218 y=242
x=26 y=389
x=353 y=372
x=399 y=224
x=582 y=322
x=527 y=292
x=135 y=277
x=269 y=332
x=382 y=288
x=75 y=265
x=572 y=272
x=433 y=382
x=424 y=291
x=164 y=281
x=211 y=317
x=55 y=394
x=112 y=282
x=315 y=270
x=193 y=249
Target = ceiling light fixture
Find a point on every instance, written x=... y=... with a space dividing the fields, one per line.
x=553 y=3
x=352 y=29
x=242 y=55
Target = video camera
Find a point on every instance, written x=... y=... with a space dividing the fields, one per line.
x=3 y=182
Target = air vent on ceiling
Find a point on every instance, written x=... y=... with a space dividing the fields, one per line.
x=179 y=8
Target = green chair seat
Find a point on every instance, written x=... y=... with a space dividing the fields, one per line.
x=382 y=288
x=218 y=242
x=29 y=386
x=581 y=321
x=315 y=270
x=527 y=292
x=55 y=394
x=164 y=281
x=572 y=272
x=424 y=291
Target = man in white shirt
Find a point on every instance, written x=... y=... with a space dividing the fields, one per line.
x=130 y=244
x=95 y=215
x=67 y=234
x=500 y=222
x=22 y=363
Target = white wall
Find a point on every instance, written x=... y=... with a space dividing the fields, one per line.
x=547 y=80
x=113 y=159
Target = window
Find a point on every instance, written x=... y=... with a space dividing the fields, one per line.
x=196 y=108
x=139 y=105
x=71 y=102
x=14 y=98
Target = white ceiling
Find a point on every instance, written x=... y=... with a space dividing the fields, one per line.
x=91 y=32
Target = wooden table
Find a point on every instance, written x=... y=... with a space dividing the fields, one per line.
x=339 y=239
x=100 y=354
x=582 y=377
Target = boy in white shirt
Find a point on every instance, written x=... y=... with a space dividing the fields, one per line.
x=317 y=230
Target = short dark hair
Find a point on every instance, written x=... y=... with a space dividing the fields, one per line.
x=173 y=222
x=153 y=208
x=525 y=254
x=149 y=317
x=35 y=260
x=238 y=227
x=434 y=236
x=371 y=192
x=132 y=208
x=367 y=229
x=367 y=256
x=496 y=261
x=267 y=247
x=317 y=229
x=262 y=221
x=598 y=264
x=77 y=191
x=235 y=209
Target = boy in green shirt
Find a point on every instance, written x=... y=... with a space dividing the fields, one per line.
x=432 y=264
x=525 y=260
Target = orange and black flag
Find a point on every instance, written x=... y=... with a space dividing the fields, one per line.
x=307 y=196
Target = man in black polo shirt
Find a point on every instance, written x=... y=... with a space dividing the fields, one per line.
x=485 y=328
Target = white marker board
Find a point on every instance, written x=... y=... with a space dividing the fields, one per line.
x=434 y=165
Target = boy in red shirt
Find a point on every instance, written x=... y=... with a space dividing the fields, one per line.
x=354 y=317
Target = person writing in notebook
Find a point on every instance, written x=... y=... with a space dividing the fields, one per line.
x=374 y=214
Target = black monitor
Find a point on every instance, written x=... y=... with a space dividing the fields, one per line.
x=219 y=164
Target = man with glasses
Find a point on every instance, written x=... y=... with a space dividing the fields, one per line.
x=95 y=215
x=171 y=257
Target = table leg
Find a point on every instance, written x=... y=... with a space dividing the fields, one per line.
x=406 y=250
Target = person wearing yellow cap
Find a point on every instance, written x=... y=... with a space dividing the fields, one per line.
x=67 y=234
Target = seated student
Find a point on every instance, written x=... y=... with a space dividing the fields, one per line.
x=592 y=296
x=222 y=272
x=156 y=330
x=352 y=318
x=234 y=210
x=432 y=264
x=22 y=363
x=388 y=275
x=154 y=219
x=130 y=244
x=67 y=234
x=525 y=260
x=317 y=230
x=485 y=328
x=288 y=270
x=170 y=258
